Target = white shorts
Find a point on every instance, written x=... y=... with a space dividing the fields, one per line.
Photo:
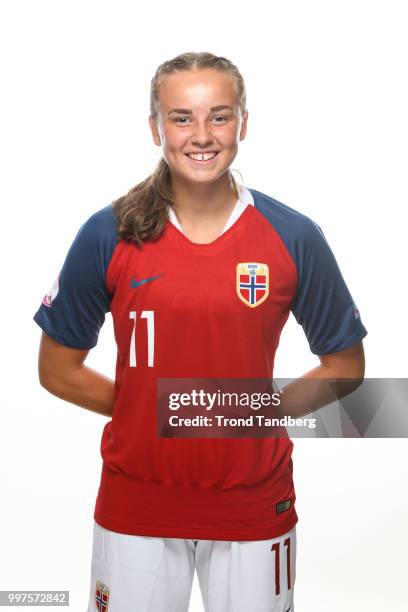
x=151 y=574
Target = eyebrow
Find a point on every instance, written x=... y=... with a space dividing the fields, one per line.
x=187 y=111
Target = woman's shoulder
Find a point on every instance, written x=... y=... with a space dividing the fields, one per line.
x=100 y=226
x=96 y=238
x=289 y=222
x=101 y=220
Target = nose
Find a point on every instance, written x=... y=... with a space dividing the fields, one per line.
x=202 y=135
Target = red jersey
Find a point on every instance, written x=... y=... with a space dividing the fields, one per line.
x=179 y=312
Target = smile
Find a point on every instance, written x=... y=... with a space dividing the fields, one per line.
x=202 y=157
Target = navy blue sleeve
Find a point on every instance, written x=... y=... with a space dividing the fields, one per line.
x=73 y=311
x=322 y=304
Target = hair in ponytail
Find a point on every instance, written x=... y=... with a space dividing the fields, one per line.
x=142 y=212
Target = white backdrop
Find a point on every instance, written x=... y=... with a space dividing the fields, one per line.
x=327 y=135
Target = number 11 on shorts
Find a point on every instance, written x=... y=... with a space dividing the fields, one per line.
x=276 y=549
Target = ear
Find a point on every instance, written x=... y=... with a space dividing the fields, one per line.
x=243 y=130
x=155 y=131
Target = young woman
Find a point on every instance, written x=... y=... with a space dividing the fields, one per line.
x=200 y=275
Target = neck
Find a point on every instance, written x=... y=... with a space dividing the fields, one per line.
x=205 y=201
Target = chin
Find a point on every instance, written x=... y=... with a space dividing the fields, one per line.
x=204 y=179
x=199 y=176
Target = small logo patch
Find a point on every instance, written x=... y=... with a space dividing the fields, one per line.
x=52 y=294
x=101 y=596
x=252 y=283
x=283 y=506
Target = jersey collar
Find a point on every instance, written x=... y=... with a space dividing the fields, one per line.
x=245 y=199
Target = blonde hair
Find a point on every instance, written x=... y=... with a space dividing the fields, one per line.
x=142 y=212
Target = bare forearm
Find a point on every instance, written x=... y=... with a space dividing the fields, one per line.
x=317 y=388
x=84 y=387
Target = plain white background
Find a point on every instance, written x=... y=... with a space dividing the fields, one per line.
x=327 y=135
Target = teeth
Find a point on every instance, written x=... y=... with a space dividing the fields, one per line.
x=202 y=156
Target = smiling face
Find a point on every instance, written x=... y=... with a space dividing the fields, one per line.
x=199 y=124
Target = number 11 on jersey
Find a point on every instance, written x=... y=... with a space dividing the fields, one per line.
x=149 y=315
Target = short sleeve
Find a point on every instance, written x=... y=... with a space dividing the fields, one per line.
x=323 y=305
x=74 y=310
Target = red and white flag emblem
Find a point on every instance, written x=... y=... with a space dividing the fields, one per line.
x=101 y=596
x=252 y=283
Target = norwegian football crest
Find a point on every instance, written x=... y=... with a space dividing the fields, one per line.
x=252 y=283
x=101 y=596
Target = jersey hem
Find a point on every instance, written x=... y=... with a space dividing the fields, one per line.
x=340 y=345
x=58 y=337
x=200 y=533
